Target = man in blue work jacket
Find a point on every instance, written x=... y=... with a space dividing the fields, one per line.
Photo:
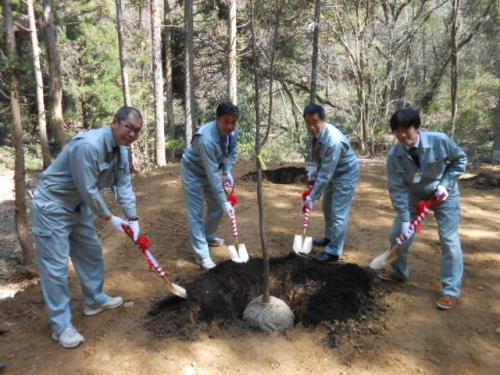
x=334 y=170
x=422 y=165
x=212 y=150
x=62 y=223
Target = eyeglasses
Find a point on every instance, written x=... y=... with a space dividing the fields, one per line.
x=131 y=128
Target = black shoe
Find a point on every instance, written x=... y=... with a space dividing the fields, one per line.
x=216 y=242
x=321 y=243
x=326 y=257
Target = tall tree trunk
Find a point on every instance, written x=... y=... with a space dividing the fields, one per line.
x=21 y=215
x=259 y=143
x=56 y=91
x=232 y=73
x=189 y=86
x=454 y=63
x=42 y=120
x=496 y=125
x=156 y=12
x=169 y=90
x=123 y=58
x=260 y=198
x=314 y=65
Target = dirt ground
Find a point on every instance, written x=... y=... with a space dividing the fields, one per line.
x=411 y=336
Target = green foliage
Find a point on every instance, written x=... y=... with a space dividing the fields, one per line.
x=174 y=148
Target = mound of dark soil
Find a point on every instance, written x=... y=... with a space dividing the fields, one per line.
x=483 y=181
x=285 y=175
x=317 y=293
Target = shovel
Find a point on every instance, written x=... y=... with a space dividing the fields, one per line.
x=389 y=256
x=238 y=252
x=302 y=245
x=144 y=244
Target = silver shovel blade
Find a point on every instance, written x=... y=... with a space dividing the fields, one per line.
x=302 y=245
x=380 y=261
x=233 y=253
x=243 y=253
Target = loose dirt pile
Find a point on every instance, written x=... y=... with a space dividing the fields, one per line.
x=483 y=181
x=329 y=295
x=284 y=175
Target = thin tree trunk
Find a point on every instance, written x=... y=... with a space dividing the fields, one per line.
x=232 y=73
x=169 y=91
x=156 y=11
x=123 y=58
x=259 y=144
x=260 y=200
x=314 y=66
x=21 y=215
x=56 y=91
x=42 y=120
x=189 y=85
x=454 y=63
x=496 y=125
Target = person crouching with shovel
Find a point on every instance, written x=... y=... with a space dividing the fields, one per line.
x=335 y=173
x=212 y=149
x=62 y=224
x=421 y=166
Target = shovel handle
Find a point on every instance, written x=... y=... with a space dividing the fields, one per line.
x=234 y=226
x=307 y=219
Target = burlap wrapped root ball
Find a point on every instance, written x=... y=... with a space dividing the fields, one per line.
x=272 y=316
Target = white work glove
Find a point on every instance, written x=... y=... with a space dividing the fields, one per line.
x=308 y=204
x=228 y=209
x=405 y=228
x=228 y=180
x=312 y=173
x=441 y=192
x=134 y=225
x=118 y=223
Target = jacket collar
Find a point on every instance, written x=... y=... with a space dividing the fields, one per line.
x=422 y=144
x=109 y=139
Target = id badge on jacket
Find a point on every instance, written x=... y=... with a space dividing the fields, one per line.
x=417 y=177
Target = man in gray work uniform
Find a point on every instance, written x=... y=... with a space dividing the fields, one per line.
x=62 y=223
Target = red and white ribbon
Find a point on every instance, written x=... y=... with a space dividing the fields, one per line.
x=307 y=217
x=153 y=263
x=423 y=209
x=233 y=224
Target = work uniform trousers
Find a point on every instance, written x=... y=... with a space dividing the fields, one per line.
x=59 y=235
x=202 y=225
x=448 y=218
x=337 y=204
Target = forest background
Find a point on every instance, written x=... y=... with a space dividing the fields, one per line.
x=371 y=58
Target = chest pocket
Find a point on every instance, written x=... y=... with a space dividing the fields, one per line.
x=434 y=165
x=108 y=174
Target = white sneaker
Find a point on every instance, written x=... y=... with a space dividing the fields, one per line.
x=207 y=263
x=111 y=303
x=69 y=338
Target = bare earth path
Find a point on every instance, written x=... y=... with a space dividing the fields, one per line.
x=416 y=338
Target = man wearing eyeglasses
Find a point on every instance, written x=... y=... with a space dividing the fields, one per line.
x=62 y=223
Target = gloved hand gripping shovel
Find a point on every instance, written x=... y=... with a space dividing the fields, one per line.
x=238 y=251
x=302 y=245
x=389 y=256
x=144 y=244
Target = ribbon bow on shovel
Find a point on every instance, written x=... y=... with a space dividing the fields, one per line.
x=388 y=256
x=238 y=251
x=302 y=245
x=143 y=243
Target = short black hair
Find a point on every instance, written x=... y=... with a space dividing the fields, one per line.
x=124 y=112
x=312 y=109
x=227 y=108
x=405 y=119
